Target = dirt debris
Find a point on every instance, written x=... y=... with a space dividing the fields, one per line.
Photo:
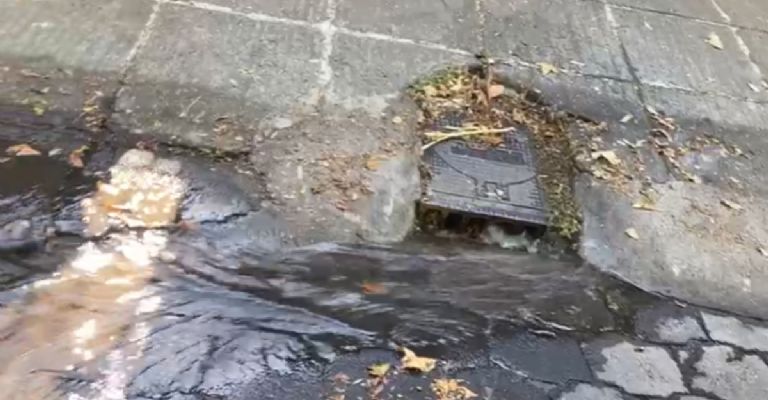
x=468 y=104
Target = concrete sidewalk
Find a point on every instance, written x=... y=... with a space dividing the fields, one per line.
x=309 y=90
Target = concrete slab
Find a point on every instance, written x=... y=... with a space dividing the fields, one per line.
x=641 y=370
x=703 y=9
x=583 y=391
x=533 y=356
x=55 y=56
x=739 y=123
x=300 y=10
x=369 y=73
x=74 y=34
x=757 y=43
x=453 y=23
x=561 y=32
x=748 y=336
x=682 y=57
x=316 y=171
x=668 y=324
x=211 y=88
x=749 y=13
x=730 y=377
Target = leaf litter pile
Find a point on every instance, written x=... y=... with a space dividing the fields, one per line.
x=380 y=374
x=468 y=104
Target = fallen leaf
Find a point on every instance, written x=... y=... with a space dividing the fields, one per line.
x=373 y=163
x=627 y=118
x=378 y=370
x=22 y=150
x=731 y=204
x=75 y=158
x=645 y=203
x=495 y=91
x=714 y=41
x=38 y=108
x=373 y=288
x=631 y=232
x=412 y=362
x=451 y=389
x=607 y=155
x=547 y=68
x=429 y=91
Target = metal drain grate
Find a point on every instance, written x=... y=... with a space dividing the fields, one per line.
x=498 y=182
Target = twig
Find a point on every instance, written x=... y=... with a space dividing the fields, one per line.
x=447 y=136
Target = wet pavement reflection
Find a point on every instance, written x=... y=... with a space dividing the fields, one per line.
x=139 y=306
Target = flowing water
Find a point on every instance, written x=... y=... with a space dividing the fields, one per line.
x=105 y=297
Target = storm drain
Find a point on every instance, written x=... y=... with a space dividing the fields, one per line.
x=495 y=182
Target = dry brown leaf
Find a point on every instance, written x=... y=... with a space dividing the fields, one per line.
x=378 y=370
x=373 y=163
x=731 y=204
x=607 y=155
x=412 y=362
x=714 y=41
x=75 y=158
x=22 y=150
x=547 y=68
x=373 y=288
x=451 y=389
x=495 y=91
x=631 y=232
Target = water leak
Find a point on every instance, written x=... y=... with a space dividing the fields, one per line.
x=139 y=306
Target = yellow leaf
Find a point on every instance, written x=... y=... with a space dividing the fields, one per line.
x=451 y=389
x=429 y=91
x=378 y=370
x=715 y=41
x=22 y=150
x=631 y=232
x=645 y=203
x=731 y=204
x=608 y=155
x=75 y=158
x=415 y=363
x=495 y=91
x=547 y=68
